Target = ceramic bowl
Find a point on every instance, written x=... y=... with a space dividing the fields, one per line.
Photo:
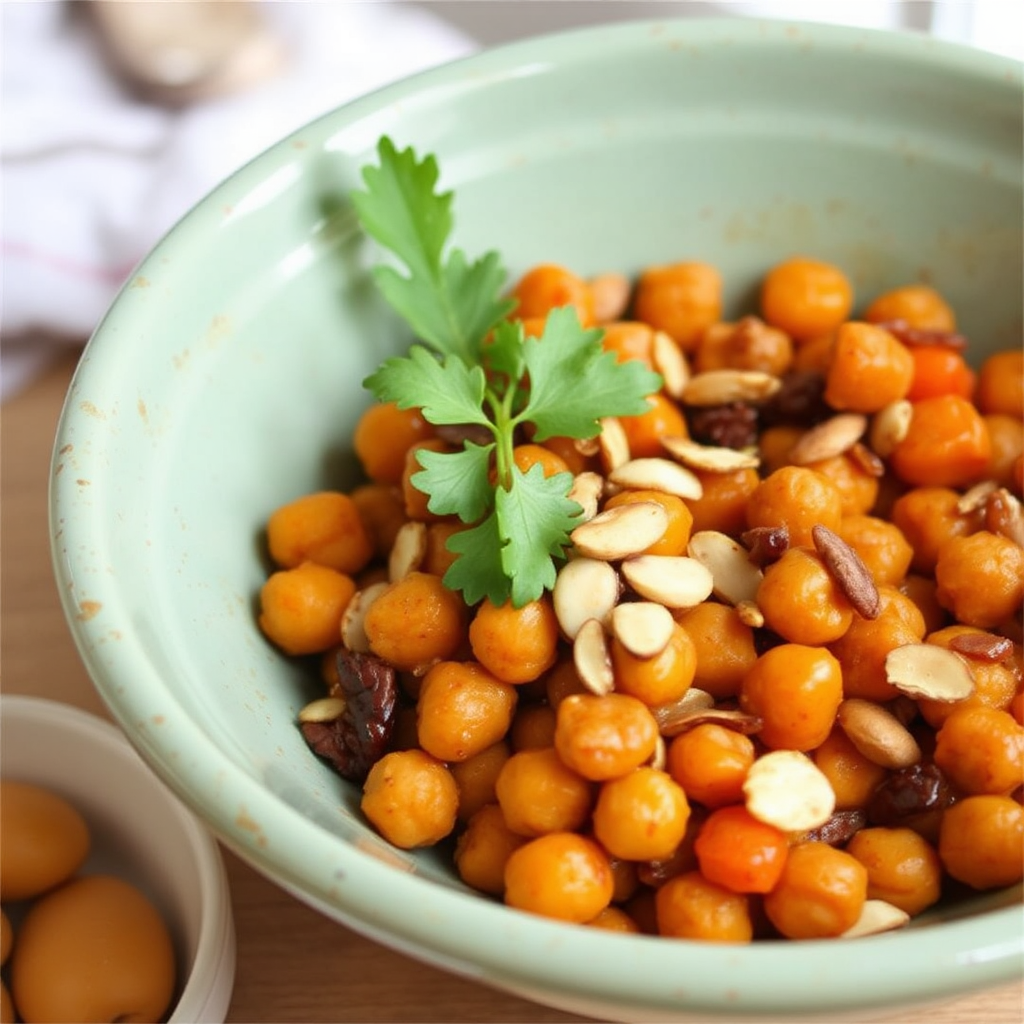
x=225 y=380
x=139 y=832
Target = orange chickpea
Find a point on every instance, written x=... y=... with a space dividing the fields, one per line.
x=821 y=892
x=981 y=750
x=645 y=431
x=383 y=435
x=476 y=777
x=1007 y=436
x=893 y=601
x=324 y=527
x=615 y=919
x=660 y=679
x=680 y=519
x=921 y=591
x=980 y=578
x=548 y=286
x=775 y=445
x=980 y=840
x=862 y=650
x=538 y=794
x=882 y=547
x=612 y=293
x=903 y=868
x=562 y=681
x=711 y=762
x=569 y=451
x=724 y=646
x=737 y=851
x=749 y=344
x=439 y=558
x=927 y=518
x=681 y=299
x=641 y=815
x=301 y=608
x=382 y=511
x=801 y=601
x=462 y=710
x=1001 y=384
x=515 y=644
x=604 y=737
x=918 y=304
x=416 y=622
x=869 y=369
x=629 y=340
x=691 y=907
x=814 y=355
x=858 y=487
x=723 y=504
x=410 y=798
x=561 y=875
x=852 y=776
x=947 y=444
x=805 y=297
x=483 y=849
x=525 y=456
x=796 y=691
x=797 y=498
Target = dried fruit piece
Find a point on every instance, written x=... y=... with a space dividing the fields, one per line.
x=982 y=646
x=765 y=544
x=927 y=670
x=621 y=531
x=592 y=660
x=849 y=571
x=733 y=425
x=876 y=916
x=840 y=828
x=828 y=439
x=1004 y=515
x=735 y=577
x=907 y=794
x=785 y=788
x=674 y=581
x=878 y=734
x=585 y=588
x=652 y=474
x=642 y=627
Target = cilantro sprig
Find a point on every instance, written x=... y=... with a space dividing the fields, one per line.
x=473 y=366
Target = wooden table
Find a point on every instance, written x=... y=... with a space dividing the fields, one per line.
x=293 y=963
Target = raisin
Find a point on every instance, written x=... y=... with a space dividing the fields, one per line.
x=732 y=425
x=359 y=737
x=908 y=793
x=923 y=335
x=840 y=827
x=800 y=401
x=766 y=544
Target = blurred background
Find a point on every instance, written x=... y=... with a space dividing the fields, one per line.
x=118 y=115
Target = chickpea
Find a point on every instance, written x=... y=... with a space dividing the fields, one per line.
x=869 y=369
x=382 y=511
x=852 y=776
x=690 y=906
x=724 y=647
x=483 y=850
x=549 y=286
x=660 y=679
x=382 y=437
x=645 y=431
x=324 y=527
x=538 y=794
x=604 y=737
x=801 y=601
x=918 y=304
x=710 y=762
x=681 y=299
x=857 y=486
x=723 y=504
x=476 y=777
x=980 y=578
x=928 y=517
x=749 y=344
x=881 y=545
x=737 y=851
x=861 y=652
x=301 y=608
x=629 y=340
x=1007 y=436
x=1001 y=384
x=903 y=868
x=515 y=644
x=415 y=500
x=981 y=750
x=615 y=919
x=980 y=839
x=806 y=297
x=641 y=815
x=797 y=498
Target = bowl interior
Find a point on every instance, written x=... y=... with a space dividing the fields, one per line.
x=226 y=380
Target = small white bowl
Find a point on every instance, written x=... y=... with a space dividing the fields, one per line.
x=140 y=832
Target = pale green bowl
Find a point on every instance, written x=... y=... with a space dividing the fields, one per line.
x=226 y=379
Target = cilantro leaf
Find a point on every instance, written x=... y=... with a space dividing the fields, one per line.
x=479 y=571
x=574 y=382
x=504 y=354
x=446 y=391
x=458 y=483
x=450 y=304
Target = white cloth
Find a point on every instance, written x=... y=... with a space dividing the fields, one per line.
x=93 y=177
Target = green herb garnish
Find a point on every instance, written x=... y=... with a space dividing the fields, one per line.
x=480 y=370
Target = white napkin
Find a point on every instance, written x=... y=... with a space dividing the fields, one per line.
x=93 y=177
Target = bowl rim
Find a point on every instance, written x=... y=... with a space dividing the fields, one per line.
x=534 y=954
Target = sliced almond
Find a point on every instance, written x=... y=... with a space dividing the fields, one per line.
x=982 y=646
x=876 y=916
x=613 y=444
x=587 y=446
x=1004 y=515
x=735 y=577
x=719 y=387
x=591 y=658
x=659 y=758
x=930 y=671
x=669 y=361
x=890 y=426
x=675 y=581
x=585 y=588
x=708 y=457
x=622 y=531
x=694 y=699
x=353 y=632
x=785 y=788
x=653 y=474
x=408 y=551
x=642 y=627
x=323 y=709
x=728 y=718
x=975 y=497
x=829 y=438
x=610 y=293
x=847 y=568
x=866 y=460
x=749 y=614
x=878 y=734
x=586 y=491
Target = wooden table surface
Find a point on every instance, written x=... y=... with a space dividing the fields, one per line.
x=293 y=963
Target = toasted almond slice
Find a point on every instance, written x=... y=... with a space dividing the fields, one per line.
x=587 y=446
x=728 y=718
x=591 y=658
x=408 y=550
x=708 y=457
x=876 y=916
x=785 y=788
x=669 y=361
x=675 y=581
x=975 y=497
x=982 y=646
x=718 y=387
x=878 y=734
x=653 y=474
x=847 y=568
x=866 y=460
x=889 y=427
x=642 y=627
x=585 y=588
x=610 y=293
x=613 y=444
x=735 y=577
x=586 y=491
x=1004 y=515
x=829 y=438
x=353 y=633
x=927 y=670
x=621 y=531
x=659 y=758
x=749 y=614
x=694 y=699
x=323 y=709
